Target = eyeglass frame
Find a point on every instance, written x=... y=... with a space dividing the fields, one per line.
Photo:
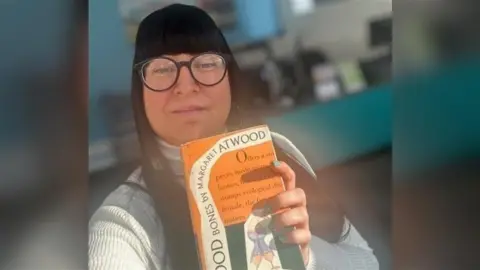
x=179 y=64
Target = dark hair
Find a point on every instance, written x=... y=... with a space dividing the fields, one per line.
x=177 y=29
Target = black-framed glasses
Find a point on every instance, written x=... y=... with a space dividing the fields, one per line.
x=161 y=73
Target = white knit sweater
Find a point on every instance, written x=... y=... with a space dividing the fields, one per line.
x=125 y=233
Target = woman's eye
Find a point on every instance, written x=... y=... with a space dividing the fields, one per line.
x=207 y=65
x=163 y=70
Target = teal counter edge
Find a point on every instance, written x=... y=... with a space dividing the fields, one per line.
x=337 y=131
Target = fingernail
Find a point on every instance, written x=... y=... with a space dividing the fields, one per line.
x=276 y=163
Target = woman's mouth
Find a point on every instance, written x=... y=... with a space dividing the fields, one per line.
x=189 y=110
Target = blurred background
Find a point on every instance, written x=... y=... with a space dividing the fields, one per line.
x=320 y=73
x=43 y=134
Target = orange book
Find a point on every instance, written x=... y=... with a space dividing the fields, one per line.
x=228 y=178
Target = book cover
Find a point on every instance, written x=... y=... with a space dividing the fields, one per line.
x=228 y=178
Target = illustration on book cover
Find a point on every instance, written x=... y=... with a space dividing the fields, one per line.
x=261 y=244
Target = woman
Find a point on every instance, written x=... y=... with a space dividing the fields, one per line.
x=186 y=85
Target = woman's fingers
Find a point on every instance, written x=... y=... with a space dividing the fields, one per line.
x=286 y=172
x=291 y=224
x=296 y=217
x=299 y=237
x=287 y=199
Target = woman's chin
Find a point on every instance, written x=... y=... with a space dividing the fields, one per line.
x=194 y=134
x=198 y=132
x=189 y=133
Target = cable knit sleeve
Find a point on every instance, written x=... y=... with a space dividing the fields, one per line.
x=117 y=241
x=351 y=254
x=312 y=261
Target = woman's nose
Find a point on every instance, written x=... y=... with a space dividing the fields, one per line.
x=185 y=83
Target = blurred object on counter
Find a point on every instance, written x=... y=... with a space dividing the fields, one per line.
x=352 y=77
x=377 y=70
x=269 y=79
x=304 y=63
x=381 y=31
x=326 y=84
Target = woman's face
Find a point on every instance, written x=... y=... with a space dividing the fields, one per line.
x=188 y=110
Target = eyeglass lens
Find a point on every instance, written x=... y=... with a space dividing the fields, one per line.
x=161 y=73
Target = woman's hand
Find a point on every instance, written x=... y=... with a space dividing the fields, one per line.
x=294 y=203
